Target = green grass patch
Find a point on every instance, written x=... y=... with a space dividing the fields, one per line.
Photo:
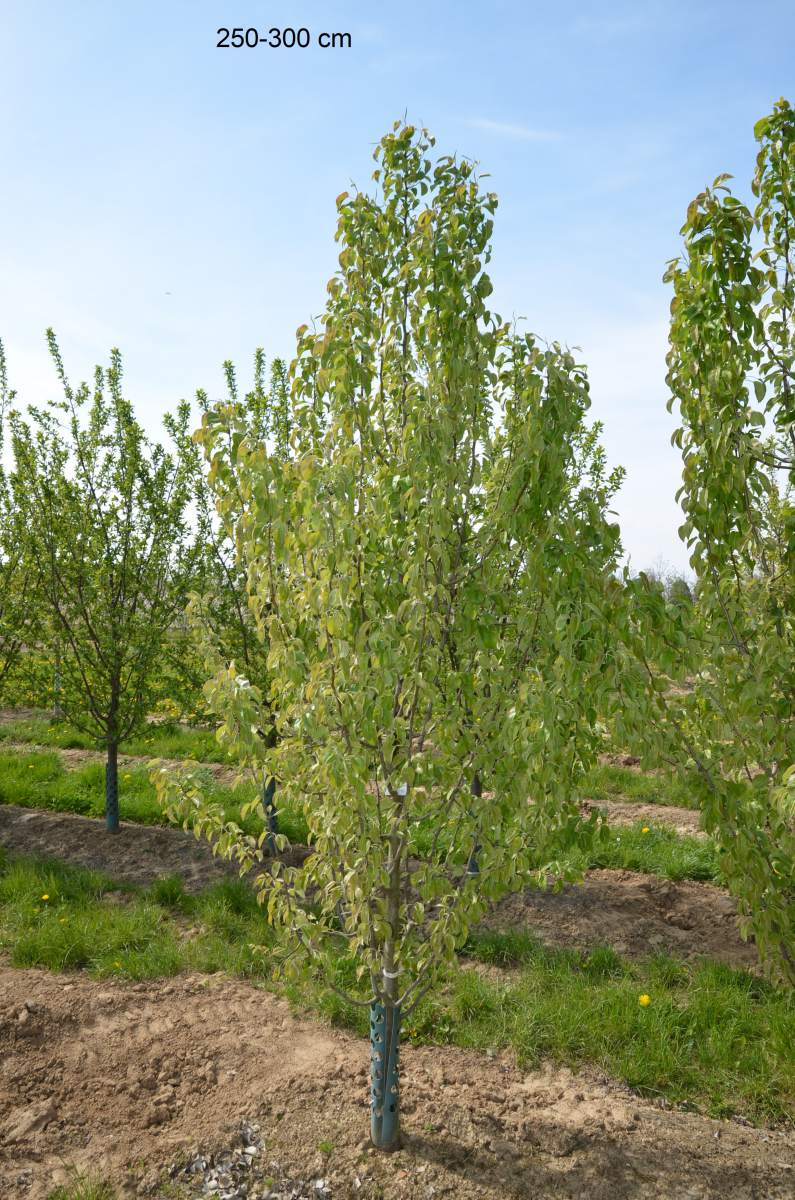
x=622 y=783
x=40 y=779
x=82 y=1186
x=166 y=739
x=658 y=851
x=65 y=918
x=717 y=1038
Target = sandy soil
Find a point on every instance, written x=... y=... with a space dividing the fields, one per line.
x=138 y=854
x=132 y=1078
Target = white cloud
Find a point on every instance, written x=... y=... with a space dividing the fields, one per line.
x=520 y=133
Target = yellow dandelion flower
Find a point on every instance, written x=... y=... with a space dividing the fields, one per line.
x=644 y=1001
x=645 y=829
x=45 y=896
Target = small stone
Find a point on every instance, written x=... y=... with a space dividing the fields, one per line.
x=30 y=1120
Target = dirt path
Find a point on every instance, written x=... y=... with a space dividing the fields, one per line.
x=129 y=1078
x=636 y=914
x=138 y=854
x=683 y=821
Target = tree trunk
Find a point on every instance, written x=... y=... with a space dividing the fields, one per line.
x=475 y=790
x=112 y=788
x=56 y=682
x=271 y=819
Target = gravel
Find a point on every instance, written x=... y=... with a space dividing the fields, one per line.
x=239 y=1173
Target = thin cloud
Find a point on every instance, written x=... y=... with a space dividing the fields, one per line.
x=520 y=133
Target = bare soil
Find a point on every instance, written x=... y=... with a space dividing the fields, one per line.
x=634 y=913
x=138 y=854
x=130 y=1079
x=9 y=715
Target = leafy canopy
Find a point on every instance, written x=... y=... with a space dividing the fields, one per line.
x=432 y=565
x=730 y=372
x=105 y=515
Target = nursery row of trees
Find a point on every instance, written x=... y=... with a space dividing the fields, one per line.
x=405 y=580
x=104 y=538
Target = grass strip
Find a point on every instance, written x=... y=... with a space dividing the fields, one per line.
x=166 y=739
x=40 y=779
x=608 y=782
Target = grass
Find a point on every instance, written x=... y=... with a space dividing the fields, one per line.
x=166 y=739
x=39 y=779
x=84 y=1187
x=88 y=921
x=714 y=1038
x=622 y=783
x=169 y=739
x=658 y=851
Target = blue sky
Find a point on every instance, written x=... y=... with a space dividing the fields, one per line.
x=177 y=200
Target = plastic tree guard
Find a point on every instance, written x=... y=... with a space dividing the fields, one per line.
x=384 y=1076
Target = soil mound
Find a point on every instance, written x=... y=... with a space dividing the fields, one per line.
x=131 y=1079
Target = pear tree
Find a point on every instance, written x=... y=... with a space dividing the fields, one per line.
x=434 y=566
x=19 y=575
x=224 y=646
x=731 y=373
x=104 y=513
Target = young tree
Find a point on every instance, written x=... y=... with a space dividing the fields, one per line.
x=731 y=362
x=232 y=647
x=432 y=567
x=18 y=574
x=105 y=515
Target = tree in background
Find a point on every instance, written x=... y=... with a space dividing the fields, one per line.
x=225 y=647
x=730 y=371
x=18 y=572
x=433 y=567
x=104 y=513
